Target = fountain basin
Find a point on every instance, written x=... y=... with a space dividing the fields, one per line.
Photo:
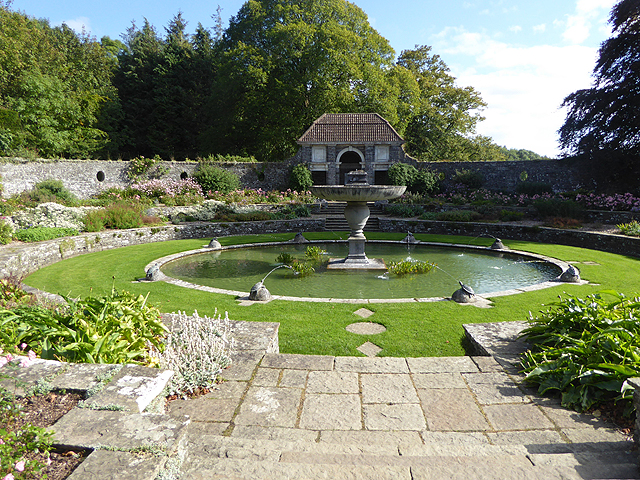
x=357 y=213
x=357 y=193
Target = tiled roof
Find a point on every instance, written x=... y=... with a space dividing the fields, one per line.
x=350 y=128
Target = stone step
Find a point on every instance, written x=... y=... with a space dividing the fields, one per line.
x=565 y=454
x=508 y=467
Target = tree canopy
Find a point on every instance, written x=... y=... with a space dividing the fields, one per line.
x=251 y=89
x=605 y=119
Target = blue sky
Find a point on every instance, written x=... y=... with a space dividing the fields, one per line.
x=523 y=57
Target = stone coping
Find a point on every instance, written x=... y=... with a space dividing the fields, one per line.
x=159 y=276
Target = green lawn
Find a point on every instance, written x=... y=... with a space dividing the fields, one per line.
x=425 y=329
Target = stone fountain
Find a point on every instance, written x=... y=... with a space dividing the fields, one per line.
x=357 y=192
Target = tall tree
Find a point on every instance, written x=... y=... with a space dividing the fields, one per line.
x=443 y=117
x=285 y=63
x=604 y=121
x=55 y=81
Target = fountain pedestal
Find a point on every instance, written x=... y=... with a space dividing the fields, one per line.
x=357 y=213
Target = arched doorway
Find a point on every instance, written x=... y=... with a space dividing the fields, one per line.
x=349 y=159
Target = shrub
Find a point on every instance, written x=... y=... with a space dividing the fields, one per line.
x=425 y=182
x=585 y=349
x=216 y=179
x=300 y=179
x=141 y=167
x=632 y=228
x=196 y=350
x=6 y=232
x=47 y=191
x=403 y=210
x=459 y=216
x=115 y=216
x=533 y=188
x=556 y=207
x=510 y=216
x=402 y=174
x=285 y=258
x=39 y=234
x=470 y=178
x=228 y=159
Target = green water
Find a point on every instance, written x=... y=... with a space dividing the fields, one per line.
x=484 y=271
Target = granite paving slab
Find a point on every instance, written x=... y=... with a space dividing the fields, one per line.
x=365 y=437
x=298 y=362
x=21 y=379
x=331 y=412
x=452 y=410
x=266 y=377
x=134 y=387
x=86 y=428
x=386 y=388
x=269 y=406
x=407 y=416
x=332 y=382
x=83 y=376
x=369 y=349
x=371 y=365
x=294 y=378
x=104 y=464
x=439 y=380
x=442 y=365
x=516 y=417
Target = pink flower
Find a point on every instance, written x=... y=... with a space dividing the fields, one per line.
x=20 y=466
x=23 y=346
x=9 y=476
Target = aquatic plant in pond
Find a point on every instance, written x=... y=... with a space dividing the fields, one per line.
x=405 y=267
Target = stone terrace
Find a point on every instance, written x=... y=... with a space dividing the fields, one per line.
x=280 y=416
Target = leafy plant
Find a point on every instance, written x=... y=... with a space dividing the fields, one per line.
x=285 y=258
x=458 y=216
x=215 y=179
x=533 y=188
x=422 y=181
x=141 y=167
x=120 y=215
x=6 y=232
x=196 y=350
x=314 y=253
x=510 y=216
x=39 y=234
x=18 y=442
x=632 y=228
x=585 y=349
x=403 y=210
x=557 y=207
x=11 y=293
x=300 y=179
x=405 y=267
x=470 y=178
x=115 y=328
x=302 y=269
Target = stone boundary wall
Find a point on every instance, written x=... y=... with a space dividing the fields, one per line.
x=88 y=177
x=22 y=259
x=619 y=244
x=563 y=175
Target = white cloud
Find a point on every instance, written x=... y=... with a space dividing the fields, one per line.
x=78 y=24
x=539 y=28
x=578 y=26
x=523 y=86
x=515 y=28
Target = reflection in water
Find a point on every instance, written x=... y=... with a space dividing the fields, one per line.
x=484 y=271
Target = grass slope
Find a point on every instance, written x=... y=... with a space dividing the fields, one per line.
x=426 y=329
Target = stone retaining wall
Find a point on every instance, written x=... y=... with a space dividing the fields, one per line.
x=21 y=259
x=619 y=244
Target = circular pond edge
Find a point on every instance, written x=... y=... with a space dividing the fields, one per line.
x=157 y=264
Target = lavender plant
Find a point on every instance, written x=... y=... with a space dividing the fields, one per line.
x=196 y=349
